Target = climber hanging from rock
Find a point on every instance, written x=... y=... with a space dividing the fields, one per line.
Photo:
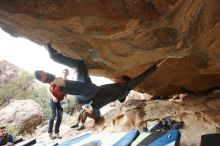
x=79 y=65
x=87 y=92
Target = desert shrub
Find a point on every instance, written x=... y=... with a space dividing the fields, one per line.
x=26 y=88
x=14 y=130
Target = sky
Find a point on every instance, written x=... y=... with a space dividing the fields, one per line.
x=31 y=56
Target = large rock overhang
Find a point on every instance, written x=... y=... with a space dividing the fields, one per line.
x=116 y=37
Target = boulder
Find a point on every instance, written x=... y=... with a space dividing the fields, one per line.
x=124 y=37
x=200 y=114
x=8 y=72
x=23 y=115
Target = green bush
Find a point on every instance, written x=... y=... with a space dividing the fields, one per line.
x=26 y=88
x=41 y=96
x=13 y=130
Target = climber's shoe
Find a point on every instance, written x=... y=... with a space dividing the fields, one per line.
x=44 y=76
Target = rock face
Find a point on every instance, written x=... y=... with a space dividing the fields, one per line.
x=8 y=72
x=201 y=115
x=117 y=37
x=24 y=115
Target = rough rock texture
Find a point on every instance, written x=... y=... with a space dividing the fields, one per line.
x=8 y=72
x=24 y=115
x=117 y=37
x=200 y=114
x=134 y=95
